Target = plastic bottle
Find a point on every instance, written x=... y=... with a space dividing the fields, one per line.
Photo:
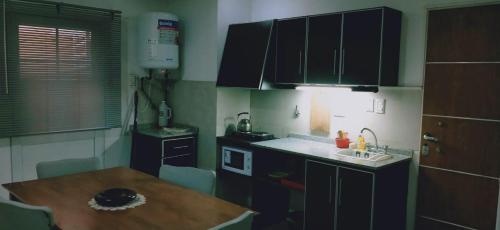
x=361 y=143
x=163 y=114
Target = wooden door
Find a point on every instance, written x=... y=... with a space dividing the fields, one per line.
x=361 y=47
x=355 y=199
x=290 y=51
x=460 y=160
x=323 y=49
x=320 y=196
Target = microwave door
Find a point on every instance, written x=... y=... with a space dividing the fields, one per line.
x=234 y=160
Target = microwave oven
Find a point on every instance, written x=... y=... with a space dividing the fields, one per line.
x=237 y=160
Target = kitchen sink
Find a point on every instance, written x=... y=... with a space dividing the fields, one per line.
x=370 y=155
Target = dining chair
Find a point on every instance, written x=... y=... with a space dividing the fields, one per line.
x=19 y=216
x=243 y=222
x=67 y=166
x=201 y=180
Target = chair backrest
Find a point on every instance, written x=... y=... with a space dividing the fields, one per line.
x=15 y=215
x=201 y=180
x=67 y=166
x=243 y=222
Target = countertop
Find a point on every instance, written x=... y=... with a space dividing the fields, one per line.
x=326 y=151
x=175 y=131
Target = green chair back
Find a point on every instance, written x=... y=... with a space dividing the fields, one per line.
x=67 y=166
x=197 y=179
x=18 y=216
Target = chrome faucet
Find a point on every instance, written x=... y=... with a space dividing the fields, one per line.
x=373 y=133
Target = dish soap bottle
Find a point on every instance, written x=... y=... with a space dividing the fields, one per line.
x=361 y=143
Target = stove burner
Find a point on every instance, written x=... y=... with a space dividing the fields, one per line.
x=254 y=136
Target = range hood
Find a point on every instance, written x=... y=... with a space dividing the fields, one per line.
x=248 y=57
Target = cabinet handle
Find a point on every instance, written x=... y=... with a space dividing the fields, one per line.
x=181 y=147
x=182 y=155
x=343 y=60
x=340 y=191
x=330 y=191
x=334 y=62
x=300 y=61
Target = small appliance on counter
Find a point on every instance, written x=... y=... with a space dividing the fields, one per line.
x=237 y=160
x=244 y=125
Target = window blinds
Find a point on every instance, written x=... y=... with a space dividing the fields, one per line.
x=60 y=68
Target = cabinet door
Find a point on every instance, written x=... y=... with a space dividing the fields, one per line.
x=320 y=196
x=290 y=50
x=323 y=52
x=361 y=38
x=354 y=207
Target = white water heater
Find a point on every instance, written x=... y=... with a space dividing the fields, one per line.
x=158 y=46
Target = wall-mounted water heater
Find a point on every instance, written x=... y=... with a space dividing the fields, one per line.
x=158 y=46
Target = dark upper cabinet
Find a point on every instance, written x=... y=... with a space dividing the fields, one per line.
x=245 y=59
x=290 y=50
x=320 y=196
x=323 y=56
x=361 y=47
x=354 y=199
x=355 y=48
x=370 y=47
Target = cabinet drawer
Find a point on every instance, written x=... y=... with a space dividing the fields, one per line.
x=180 y=160
x=178 y=147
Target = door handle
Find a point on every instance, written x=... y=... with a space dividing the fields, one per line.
x=429 y=137
x=300 y=61
x=340 y=191
x=343 y=60
x=334 y=62
x=330 y=191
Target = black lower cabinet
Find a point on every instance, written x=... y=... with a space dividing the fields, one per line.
x=320 y=196
x=149 y=153
x=342 y=197
x=355 y=199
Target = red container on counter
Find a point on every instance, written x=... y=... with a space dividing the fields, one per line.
x=342 y=143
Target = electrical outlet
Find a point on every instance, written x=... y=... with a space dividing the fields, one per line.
x=369 y=105
x=380 y=105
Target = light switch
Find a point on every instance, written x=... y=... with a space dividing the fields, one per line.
x=379 y=105
x=369 y=105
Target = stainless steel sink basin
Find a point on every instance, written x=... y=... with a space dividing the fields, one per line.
x=371 y=156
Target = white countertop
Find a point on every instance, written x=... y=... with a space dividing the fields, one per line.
x=326 y=151
x=179 y=130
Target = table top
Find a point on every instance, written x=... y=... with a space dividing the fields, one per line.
x=168 y=206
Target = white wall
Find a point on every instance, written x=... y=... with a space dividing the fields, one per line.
x=114 y=149
x=198 y=37
x=230 y=12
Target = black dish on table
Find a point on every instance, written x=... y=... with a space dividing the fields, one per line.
x=115 y=197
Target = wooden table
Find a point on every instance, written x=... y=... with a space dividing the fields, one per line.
x=168 y=206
